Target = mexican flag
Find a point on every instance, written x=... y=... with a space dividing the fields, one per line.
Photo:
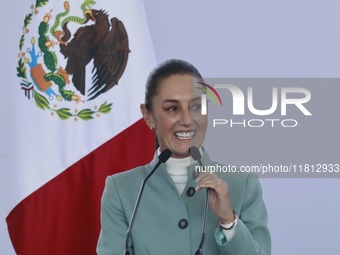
x=74 y=83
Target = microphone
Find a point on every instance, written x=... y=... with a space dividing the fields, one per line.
x=162 y=158
x=196 y=155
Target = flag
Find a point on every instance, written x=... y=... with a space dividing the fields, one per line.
x=75 y=88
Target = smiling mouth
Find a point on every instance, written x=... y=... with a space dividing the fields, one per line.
x=185 y=135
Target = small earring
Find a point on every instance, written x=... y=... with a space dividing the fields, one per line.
x=151 y=127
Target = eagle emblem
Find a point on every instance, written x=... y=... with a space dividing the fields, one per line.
x=52 y=65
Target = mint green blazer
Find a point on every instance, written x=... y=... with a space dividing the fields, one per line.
x=168 y=223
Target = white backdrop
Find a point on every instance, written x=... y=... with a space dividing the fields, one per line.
x=247 y=38
x=276 y=39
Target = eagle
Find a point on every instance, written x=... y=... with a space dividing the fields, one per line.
x=106 y=43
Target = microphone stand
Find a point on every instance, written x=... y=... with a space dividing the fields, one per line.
x=163 y=157
x=196 y=155
x=199 y=250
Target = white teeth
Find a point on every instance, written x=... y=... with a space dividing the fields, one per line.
x=185 y=135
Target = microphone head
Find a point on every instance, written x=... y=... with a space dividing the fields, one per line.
x=195 y=153
x=165 y=155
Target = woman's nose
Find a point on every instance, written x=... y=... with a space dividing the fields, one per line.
x=185 y=118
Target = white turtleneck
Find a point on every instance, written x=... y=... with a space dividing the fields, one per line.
x=177 y=169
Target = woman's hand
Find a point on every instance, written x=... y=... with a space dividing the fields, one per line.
x=219 y=197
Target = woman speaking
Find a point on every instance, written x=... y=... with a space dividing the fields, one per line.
x=171 y=211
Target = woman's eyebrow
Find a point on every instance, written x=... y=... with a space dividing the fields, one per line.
x=170 y=101
x=195 y=99
x=177 y=101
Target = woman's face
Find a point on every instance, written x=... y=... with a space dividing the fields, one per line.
x=176 y=115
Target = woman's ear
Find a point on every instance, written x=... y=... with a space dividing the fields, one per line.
x=147 y=116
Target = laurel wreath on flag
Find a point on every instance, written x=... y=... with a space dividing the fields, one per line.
x=50 y=60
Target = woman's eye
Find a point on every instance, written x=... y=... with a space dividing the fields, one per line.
x=172 y=109
x=196 y=107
